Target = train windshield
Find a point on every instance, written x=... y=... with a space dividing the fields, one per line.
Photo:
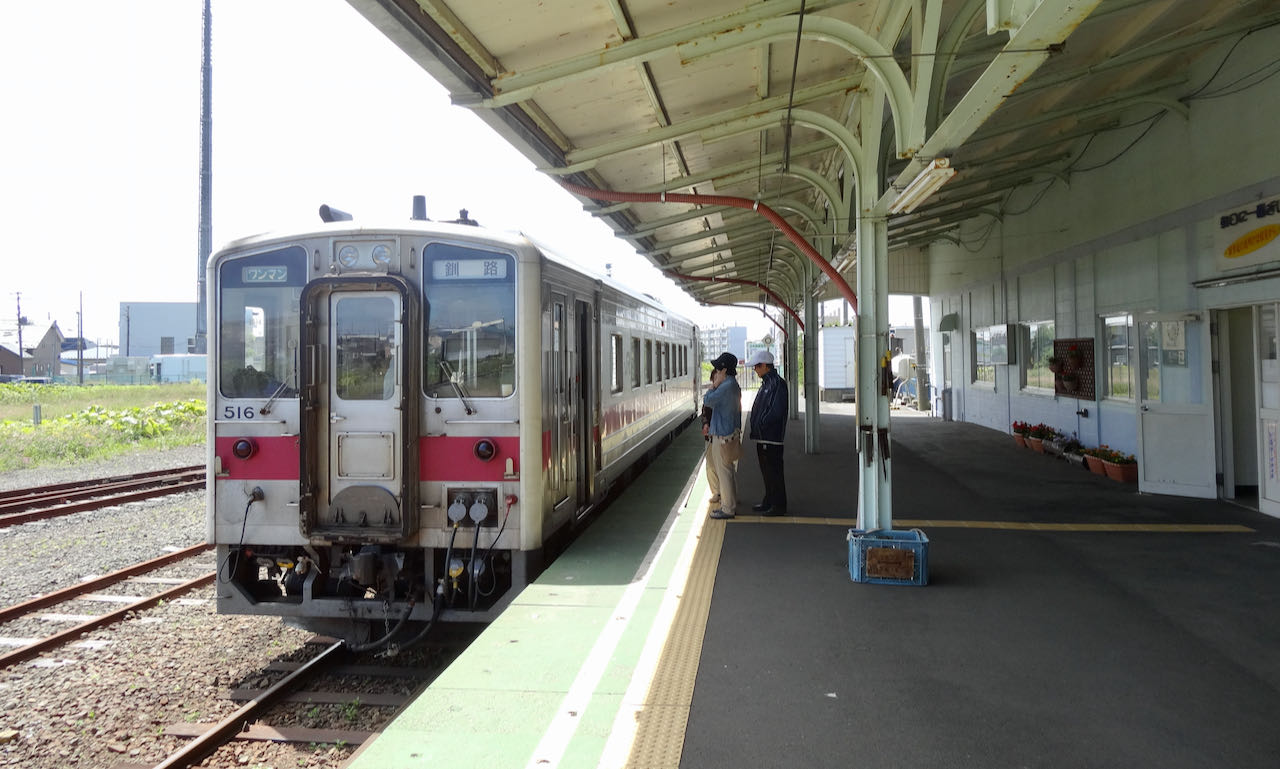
x=471 y=314
x=258 y=324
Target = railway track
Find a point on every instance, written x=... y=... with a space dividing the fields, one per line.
x=41 y=502
x=77 y=591
x=325 y=679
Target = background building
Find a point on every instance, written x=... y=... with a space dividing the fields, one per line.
x=718 y=339
x=157 y=328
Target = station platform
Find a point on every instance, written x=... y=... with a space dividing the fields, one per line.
x=1068 y=621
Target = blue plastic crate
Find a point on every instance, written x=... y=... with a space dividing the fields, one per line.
x=888 y=557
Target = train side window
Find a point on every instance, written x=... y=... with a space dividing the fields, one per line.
x=635 y=362
x=615 y=342
x=648 y=361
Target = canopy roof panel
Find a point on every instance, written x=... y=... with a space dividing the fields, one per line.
x=757 y=100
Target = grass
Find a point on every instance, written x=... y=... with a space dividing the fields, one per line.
x=96 y=422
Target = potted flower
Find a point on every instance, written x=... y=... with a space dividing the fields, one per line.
x=1020 y=430
x=1120 y=466
x=1094 y=461
x=1070 y=381
x=1055 y=364
x=1037 y=435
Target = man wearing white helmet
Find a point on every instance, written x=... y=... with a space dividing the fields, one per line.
x=768 y=428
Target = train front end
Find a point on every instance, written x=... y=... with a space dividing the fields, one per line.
x=365 y=446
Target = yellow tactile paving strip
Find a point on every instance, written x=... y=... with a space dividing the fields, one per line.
x=660 y=724
x=1172 y=528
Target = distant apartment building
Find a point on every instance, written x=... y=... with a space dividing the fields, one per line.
x=719 y=339
x=157 y=328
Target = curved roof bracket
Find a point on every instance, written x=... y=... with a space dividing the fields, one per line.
x=710 y=128
x=874 y=55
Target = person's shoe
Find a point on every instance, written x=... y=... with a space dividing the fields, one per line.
x=760 y=508
x=715 y=499
x=720 y=515
x=773 y=511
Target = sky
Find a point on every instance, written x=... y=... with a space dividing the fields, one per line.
x=100 y=148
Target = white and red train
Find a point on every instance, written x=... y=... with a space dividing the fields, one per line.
x=402 y=417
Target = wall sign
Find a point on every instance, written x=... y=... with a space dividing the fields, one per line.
x=1248 y=235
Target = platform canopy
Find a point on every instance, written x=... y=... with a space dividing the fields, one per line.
x=768 y=100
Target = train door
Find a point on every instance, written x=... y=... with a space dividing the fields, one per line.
x=561 y=403
x=586 y=387
x=358 y=443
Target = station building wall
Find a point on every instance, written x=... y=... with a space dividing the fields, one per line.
x=1132 y=229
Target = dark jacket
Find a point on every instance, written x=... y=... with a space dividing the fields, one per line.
x=769 y=411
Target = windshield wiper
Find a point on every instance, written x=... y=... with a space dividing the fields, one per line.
x=266 y=407
x=457 y=386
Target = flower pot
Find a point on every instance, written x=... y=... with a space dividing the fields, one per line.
x=1095 y=464
x=1053 y=447
x=1126 y=473
x=1020 y=439
x=1057 y=367
x=1075 y=459
x=1035 y=444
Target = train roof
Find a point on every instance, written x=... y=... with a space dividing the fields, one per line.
x=453 y=230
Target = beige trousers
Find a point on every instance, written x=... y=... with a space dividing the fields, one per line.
x=724 y=455
x=713 y=480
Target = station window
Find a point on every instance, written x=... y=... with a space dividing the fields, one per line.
x=988 y=348
x=1037 y=347
x=1119 y=334
x=648 y=361
x=615 y=343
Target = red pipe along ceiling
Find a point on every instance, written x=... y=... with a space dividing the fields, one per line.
x=752 y=307
x=776 y=299
x=725 y=200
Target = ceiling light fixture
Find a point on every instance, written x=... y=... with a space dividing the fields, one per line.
x=930 y=178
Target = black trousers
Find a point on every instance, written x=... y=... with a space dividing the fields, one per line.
x=775 y=486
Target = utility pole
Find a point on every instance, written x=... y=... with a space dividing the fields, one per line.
x=80 y=342
x=22 y=366
x=206 y=181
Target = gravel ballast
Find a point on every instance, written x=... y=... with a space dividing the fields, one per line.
x=105 y=701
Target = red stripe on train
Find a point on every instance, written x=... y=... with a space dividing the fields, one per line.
x=440 y=458
x=449 y=458
x=274 y=458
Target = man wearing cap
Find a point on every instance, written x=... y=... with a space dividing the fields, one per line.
x=724 y=396
x=768 y=428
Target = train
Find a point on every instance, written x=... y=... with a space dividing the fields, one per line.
x=405 y=416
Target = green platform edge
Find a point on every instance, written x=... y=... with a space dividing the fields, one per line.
x=492 y=706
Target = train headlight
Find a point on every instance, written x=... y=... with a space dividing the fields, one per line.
x=381 y=255
x=485 y=449
x=348 y=256
x=243 y=448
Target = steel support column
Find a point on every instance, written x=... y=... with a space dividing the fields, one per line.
x=812 y=324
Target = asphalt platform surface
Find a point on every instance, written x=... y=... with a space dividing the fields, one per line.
x=1147 y=644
